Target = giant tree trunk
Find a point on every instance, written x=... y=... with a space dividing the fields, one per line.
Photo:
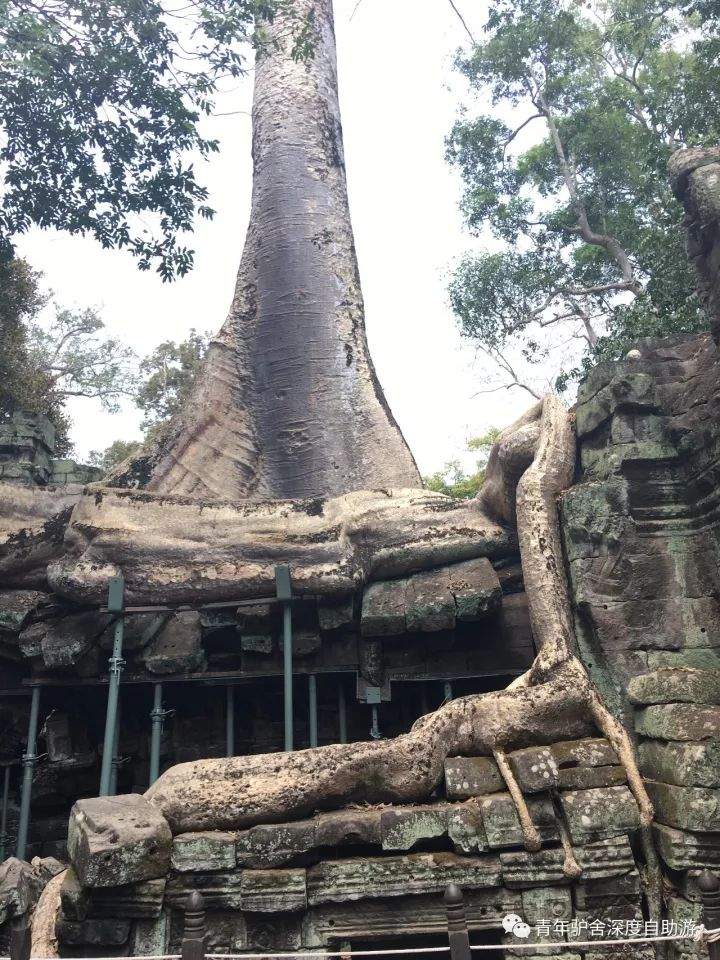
x=288 y=404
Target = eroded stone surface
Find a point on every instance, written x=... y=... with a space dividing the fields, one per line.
x=211 y=850
x=118 y=840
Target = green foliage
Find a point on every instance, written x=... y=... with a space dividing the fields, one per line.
x=168 y=374
x=45 y=362
x=566 y=170
x=100 y=110
x=166 y=378
x=23 y=384
x=79 y=361
x=453 y=481
x=111 y=456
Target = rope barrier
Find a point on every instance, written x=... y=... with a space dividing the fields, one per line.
x=701 y=934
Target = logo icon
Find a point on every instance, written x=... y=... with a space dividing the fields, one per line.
x=514 y=924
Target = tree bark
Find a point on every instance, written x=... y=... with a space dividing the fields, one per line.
x=288 y=404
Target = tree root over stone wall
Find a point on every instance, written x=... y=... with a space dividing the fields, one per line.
x=555 y=699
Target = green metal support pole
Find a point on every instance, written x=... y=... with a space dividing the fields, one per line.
x=230 y=721
x=284 y=592
x=312 y=709
x=115 y=605
x=342 y=712
x=116 y=760
x=3 y=817
x=157 y=715
x=28 y=761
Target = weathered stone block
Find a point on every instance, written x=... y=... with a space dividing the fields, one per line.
x=471 y=777
x=93 y=933
x=546 y=903
x=209 y=850
x=150 y=938
x=20 y=888
x=273 y=844
x=118 y=840
x=273 y=891
x=689 y=808
x=73 y=897
x=700 y=658
x=256 y=618
x=684 y=764
x=476 y=588
x=675 y=685
x=383 y=609
x=226 y=933
x=270 y=933
x=139 y=901
x=606 y=858
x=16 y=606
x=177 y=648
x=588 y=752
x=683 y=851
x=347 y=826
x=304 y=642
x=535 y=769
x=429 y=604
x=678 y=721
x=336 y=881
x=585 y=778
x=402 y=828
x=602 y=812
x=465 y=828
x=330 y=923
x=502 y=825
x=335 y=614
x=220 y=889
x=256 y=643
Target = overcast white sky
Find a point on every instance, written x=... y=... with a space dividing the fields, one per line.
x=395 y=64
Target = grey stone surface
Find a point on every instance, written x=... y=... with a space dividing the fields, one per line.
x=678 y=721
x=177 y=648
x=20 y=888
x=403 y=828
x=209 y=850
x=535 y=769
x=686 y=764
x=476 y=588
x=598 y=813
x=429 y=602
x=675 y=685
x=383 y=609
x=502 y=824
x=471 y=777
x=273 y=891
x=118 y=840
x=688 y=808
x=336 y=881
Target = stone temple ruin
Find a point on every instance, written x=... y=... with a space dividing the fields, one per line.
x=317 y=693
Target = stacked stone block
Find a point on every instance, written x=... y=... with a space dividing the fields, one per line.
x=361 y=873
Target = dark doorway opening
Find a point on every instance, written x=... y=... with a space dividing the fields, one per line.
x=419 y=940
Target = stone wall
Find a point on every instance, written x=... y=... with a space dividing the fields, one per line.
x=642 y=534
x=366 y=872
x=27 y=446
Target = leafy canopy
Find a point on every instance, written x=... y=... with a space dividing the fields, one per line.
x=44 y=362
x=577 y=109
x=454 y=481
x=100 y=110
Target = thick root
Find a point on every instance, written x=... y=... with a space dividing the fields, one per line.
x=43 y=937
x=531 y=837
